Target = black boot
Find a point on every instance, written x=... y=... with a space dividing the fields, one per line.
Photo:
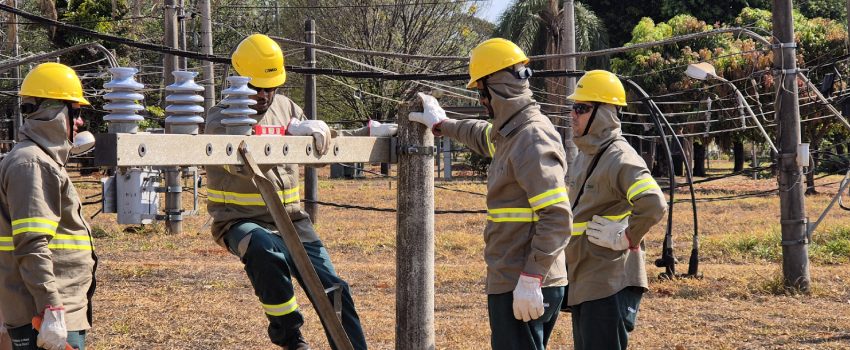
x=297 y=342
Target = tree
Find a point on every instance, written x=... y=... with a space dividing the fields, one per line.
x=536 y=26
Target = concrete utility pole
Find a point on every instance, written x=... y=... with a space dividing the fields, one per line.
x=568 y=45
x=795 y=255
x=415 y=236
x=181 y=26
x=207 y=48
x=170 y=39
x=311 y=178
x=18 y=119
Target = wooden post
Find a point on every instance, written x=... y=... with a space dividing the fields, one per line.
x=311 y=176
x=795 y=243
x=415 y=236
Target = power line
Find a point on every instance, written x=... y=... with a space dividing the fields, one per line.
x=305 y=7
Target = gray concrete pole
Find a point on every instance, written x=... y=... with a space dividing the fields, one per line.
x=207 y=48
x=181 y=36
x=447 y=158
x=18 y=119
x=311 y=178
x=568 y=45
x=170 y=39
x=795 y=255
x=415 y=236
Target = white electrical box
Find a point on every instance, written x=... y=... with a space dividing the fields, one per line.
x=132 y=194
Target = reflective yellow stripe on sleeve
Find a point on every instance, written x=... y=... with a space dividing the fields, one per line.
x=641 y=186
x=548 y=198
x=580 y=227
x=71 y=242
x=251 y=199
x=41 y=225
x=281 y=309
x=491 y=147
x=6 y=244
x=511 y=215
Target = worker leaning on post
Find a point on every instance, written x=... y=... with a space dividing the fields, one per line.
x=529 y=219
x=615 y=203
x=242 y=222
x=47 y=261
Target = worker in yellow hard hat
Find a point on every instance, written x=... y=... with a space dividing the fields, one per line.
x=615 y=203
x=528 y=212
x=47 y=260
x=241 y=221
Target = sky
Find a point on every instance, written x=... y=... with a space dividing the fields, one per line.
x=493 y=9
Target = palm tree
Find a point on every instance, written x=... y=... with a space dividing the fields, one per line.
x=536 y=26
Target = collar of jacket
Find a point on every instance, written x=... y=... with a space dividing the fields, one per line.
x=605 y=128
x=48 y=128
x=512 y=102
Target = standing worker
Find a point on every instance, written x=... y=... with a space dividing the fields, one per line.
x=615 y=202
x=242 y=222
x=47 y=260
x=528 y=213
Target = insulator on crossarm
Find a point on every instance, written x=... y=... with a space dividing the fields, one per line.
x=238 y=112
x=183 y=112
x=123 y=97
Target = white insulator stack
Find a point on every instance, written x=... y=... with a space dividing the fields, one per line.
x=123 y=97
x=183 y=112
x=238 y=111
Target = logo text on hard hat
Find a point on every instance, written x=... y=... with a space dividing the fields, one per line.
x=580 y=86
x=269 y=70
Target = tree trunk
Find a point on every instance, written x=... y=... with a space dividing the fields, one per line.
x=699 y=159
x=738 y=153
x=810 y=174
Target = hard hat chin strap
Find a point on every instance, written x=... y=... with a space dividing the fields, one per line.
x=592 y=117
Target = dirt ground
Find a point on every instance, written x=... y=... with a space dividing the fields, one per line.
x=158 y=291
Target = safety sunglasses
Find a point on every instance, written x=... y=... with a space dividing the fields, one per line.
x=258 y=89
x=582 y=108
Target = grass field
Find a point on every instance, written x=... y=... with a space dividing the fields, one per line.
x=158 y=291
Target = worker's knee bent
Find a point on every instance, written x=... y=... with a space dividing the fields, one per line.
x=263 y=246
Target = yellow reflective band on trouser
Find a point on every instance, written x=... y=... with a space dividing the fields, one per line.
x=251 y=199
x=41 y=225
x=580 y=227
x=6 y=244
x=281 y=309
x=641 y=186
x=511 y=215
x=71 y=242
x=491 y=147
x=548 y=198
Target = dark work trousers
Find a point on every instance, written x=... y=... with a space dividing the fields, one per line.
x=24 y=338
x=604 y=324
x=269 y=266
x=506 y=332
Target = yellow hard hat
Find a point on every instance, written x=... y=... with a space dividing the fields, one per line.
x=492 y=56
x=600 y=86
x=55 y=81
x=260 y=58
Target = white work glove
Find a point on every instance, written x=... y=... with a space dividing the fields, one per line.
x=53 y=334
x=377 y=129
x=528 y=298
x=607 y=233
x=433 y=113
x=318 y=129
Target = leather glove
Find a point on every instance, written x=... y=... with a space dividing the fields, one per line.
x=607 y=233
x=318 y=129
x=53 y=334
x=433 y=113
x=528 y=298
x=377 y=129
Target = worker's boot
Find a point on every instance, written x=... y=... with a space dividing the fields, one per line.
x=297 y=342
